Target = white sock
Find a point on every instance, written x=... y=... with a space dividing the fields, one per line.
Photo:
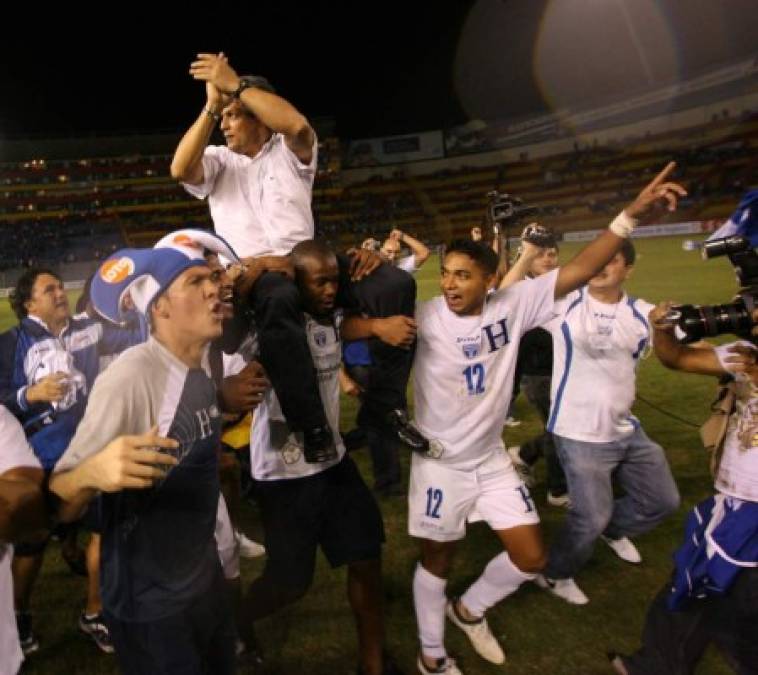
x=499 y=579
x=429 y=600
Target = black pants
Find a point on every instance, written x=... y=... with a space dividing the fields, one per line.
x=387 y=292
x=284 y=349
x=332 y=510
x=382 y=442
x=198 y=641
x=537 y=391
x=674 y=642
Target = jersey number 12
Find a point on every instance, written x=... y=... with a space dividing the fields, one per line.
x=475 y=379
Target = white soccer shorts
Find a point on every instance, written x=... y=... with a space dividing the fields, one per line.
x=442 y=500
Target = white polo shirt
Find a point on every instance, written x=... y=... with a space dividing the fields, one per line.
x=596 y=349
x=15 y=452
x=261 y=205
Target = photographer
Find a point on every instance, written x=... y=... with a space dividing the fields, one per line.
x=712 y=595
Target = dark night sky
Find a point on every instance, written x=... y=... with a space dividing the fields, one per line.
x=378 y=67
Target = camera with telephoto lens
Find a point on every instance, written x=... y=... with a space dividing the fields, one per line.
x=736 y=317
x=505 y=209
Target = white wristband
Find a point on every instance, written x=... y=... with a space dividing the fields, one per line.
x=623 y=225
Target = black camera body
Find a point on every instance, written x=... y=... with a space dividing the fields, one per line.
x=505 y=209
x=700 y=321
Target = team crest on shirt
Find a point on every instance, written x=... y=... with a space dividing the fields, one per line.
x=291 y=452
x=319 y=337
x=471 y=350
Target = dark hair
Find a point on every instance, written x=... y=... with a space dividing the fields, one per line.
x=627 y=252
x=479 y=252
x=260 y=82
x=316 y=249
x=22 y=292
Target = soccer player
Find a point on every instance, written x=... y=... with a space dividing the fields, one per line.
x=307 y=506
x=599 y=337
x=463 y=377
x=163 y=590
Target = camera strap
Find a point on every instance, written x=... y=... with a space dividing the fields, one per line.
x=713 y=431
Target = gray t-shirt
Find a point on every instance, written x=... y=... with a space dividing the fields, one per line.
x=158 y=551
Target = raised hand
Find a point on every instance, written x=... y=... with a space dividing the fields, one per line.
x=657 y=196
x=215 y=69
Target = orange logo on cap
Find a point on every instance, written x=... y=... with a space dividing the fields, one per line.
x=115 y=271
x=185 y=240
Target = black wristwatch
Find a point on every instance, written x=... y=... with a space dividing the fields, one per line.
x=245 y=83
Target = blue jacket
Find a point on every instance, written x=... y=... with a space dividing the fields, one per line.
x=29 y=352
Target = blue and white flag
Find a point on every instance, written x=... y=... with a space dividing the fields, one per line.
x=744 y=221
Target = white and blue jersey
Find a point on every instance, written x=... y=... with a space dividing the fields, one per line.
x=158 y=549
x=464 y=368
x=29 y=353
x=596 y=350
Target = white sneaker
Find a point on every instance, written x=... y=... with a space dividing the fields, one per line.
x=445 y=666
x=624 y=549
x=478 y=632
x=248 y=547
x=512 y=422
x=523 y=470
x=563 y=501
x=566 y=589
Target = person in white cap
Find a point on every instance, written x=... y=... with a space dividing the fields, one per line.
x=162 y=583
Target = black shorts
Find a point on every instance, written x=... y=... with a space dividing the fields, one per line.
x=198 y=640
x=333 y=510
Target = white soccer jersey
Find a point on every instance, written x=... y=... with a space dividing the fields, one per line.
x=15 y=452
x=738 y=470
x=464 y=368
x=275 y=453
x=596 y=349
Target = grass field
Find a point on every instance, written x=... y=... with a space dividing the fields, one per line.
x=541 y=634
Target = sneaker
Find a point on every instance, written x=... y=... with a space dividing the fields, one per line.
x=566 y=589
x=318 y=445
x=563 y=501
x=97 y=630
x=446 y=666
x=617 y=663
x=407 y=431
x=478 y=632
x=523 y=470
x=512 y=422
x=624 y=549
x=248 y=547
x=26 y=637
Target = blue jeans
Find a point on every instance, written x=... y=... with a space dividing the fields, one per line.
x=650 y=495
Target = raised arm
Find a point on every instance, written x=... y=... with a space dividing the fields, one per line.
x=656 y=196
x=419 y=250
x=187 y=164
x=273 y=111
x=520 y=267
